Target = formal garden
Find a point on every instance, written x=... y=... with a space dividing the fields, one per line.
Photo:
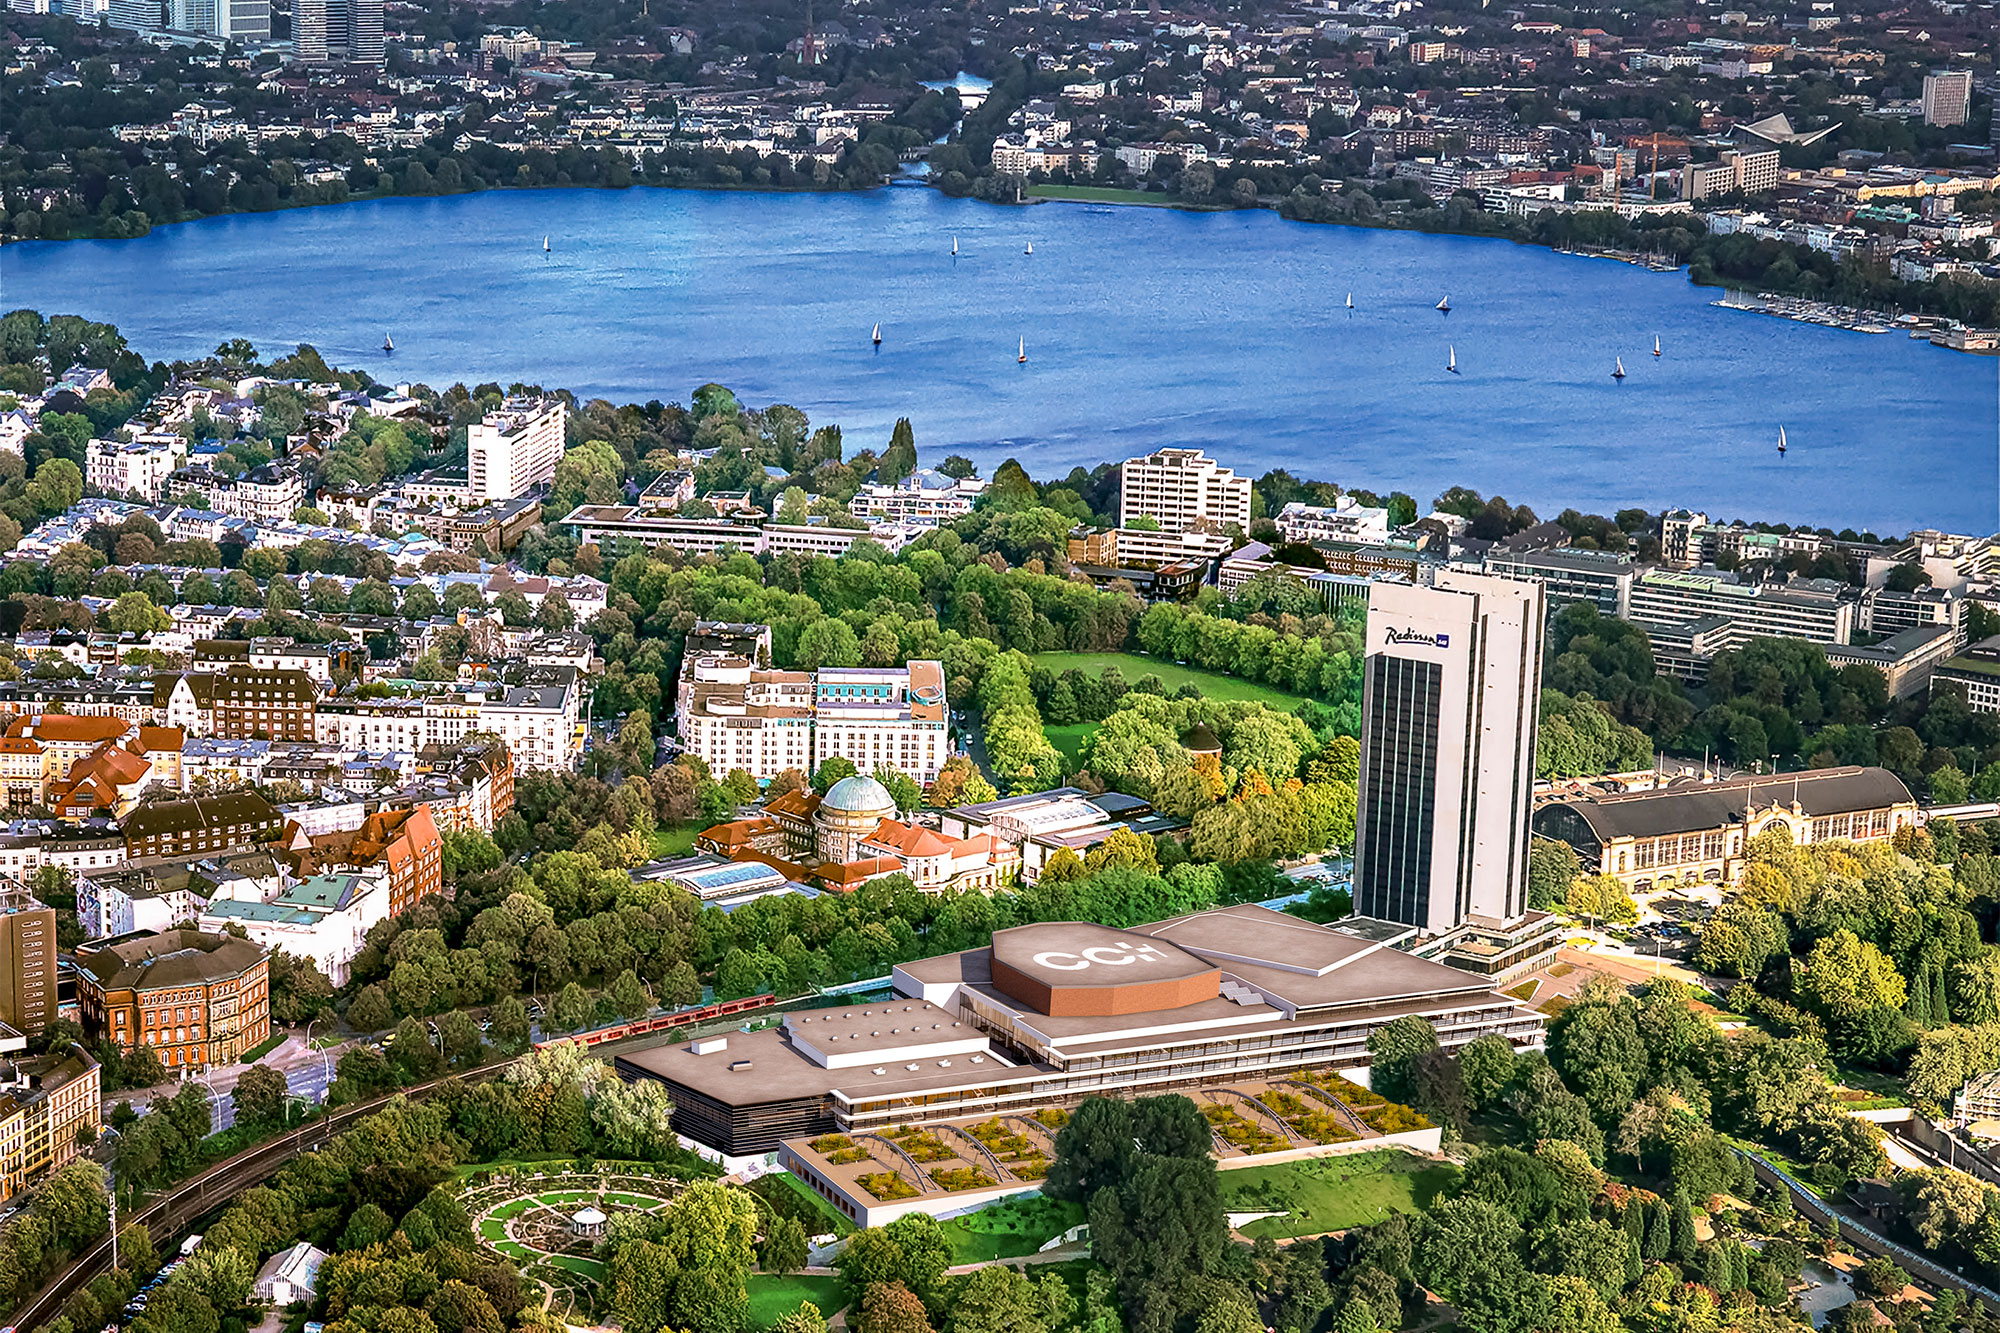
x=550 y=1222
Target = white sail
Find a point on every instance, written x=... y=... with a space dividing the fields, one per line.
x=1350 y=300
x=545 y=245
x=877 y=335
x=1452 y=362
x=1024 y=351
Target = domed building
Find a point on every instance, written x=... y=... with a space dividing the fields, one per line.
x=852 y=809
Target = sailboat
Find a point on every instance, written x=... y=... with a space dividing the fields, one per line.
x=388 y=343
x=545 y=244
x=1031 y=248
x=954 y=247
x=1656 y=344
x=1444 y=305
x=1781 y=442
x=1023 y=357
x=1451 y=364
x=1350 y=303
x=878 y=335
x=1619 y=373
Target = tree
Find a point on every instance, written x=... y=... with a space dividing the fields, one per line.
x=996 y=1299
x=784 y=1249
x=1552 y=867
x=1392 y=1048
x=134 y=613
x=260 y=1095
x=571 y=1009
x=1486 y=1066
x=890 y=1307
x=370 y=1011
x=1844 y=976
x=830 y=771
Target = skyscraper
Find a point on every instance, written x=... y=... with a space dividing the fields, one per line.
x=312 y=29
x=1947 y=97
x=348 y=31
x=1450 y=692
x=365 y=43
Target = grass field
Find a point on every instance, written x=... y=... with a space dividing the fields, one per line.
x=1069 y=739
x=675 y=839
x=830 y=1218
x=1333 y=1193
x=1009 y=1230
x=772 y=1295
x=1172 y=674
x=1100 y=194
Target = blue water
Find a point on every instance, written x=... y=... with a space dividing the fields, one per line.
x=1144 y=327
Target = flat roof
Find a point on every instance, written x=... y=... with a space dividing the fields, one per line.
x=1066 y=954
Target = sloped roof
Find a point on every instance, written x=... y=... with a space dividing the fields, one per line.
x=1699 y=807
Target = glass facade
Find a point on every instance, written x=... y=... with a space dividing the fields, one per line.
x=1399 y=755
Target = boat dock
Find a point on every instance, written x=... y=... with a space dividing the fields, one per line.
x=1806 y=311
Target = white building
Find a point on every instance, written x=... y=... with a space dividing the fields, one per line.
x=920 y=497
x=288 y=1276
x=1181 y=489
x=141 y=467
x=1947 y=97
x=1347 y=521
x=515 y=449
x=325 y=918
x=882 y=717
x=734 y=715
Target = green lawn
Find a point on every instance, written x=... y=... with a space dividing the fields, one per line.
x=262 y=1049
x=773 y=1295
x=828 y=1217
x=1333 y=1193
x=1010 y=1229
x=1069 y=739
x=675 y=839
x=575 y=1263
x=1102 y=194
x=1173 y=675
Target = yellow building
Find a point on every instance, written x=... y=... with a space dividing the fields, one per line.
x=1693 y=833
x=43 y=1105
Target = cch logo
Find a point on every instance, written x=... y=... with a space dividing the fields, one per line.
x=1400 y=636
x=1108 y=955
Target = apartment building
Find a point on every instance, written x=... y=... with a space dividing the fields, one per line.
x=1182 y=489
x=45 y=1102
x=196 y=999
x=27 y=963
x=138 y=468
x=259 y=704
x=921 y=497
x=197 y=825
x=1755 y=171
x=1347 y=521
x=1125 y=548
x=402 y=847
x=541 y=721
x=1947 y=97
x=515 y=449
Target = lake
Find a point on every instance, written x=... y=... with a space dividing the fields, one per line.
x=1143 y=327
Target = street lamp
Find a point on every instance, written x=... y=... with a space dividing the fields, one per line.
x=325 y=1057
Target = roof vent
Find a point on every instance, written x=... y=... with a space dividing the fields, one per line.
x=912 y=1068
x=879 y=1071
x=979 y=1059
x=738 y=1066
x=944 y=1064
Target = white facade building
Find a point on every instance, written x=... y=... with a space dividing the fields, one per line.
x=515 y=449
x=1347 y=521
x=141 y=467
x=1182 y=489
x=734 y=715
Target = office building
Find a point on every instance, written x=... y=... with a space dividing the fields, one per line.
x=1450 y=688
x=1182 y=489
x=45 y=1102
x=1737 y=171
x=1050 y=1014
x=137 y=15
x=27 y=963
x=515 y=449
x=1694 y=833
x=401 y=847
x=244 y=20
x=1907 y=659
x=195 y=999
x=1947 y=97
x=1975 y=673
x=1819 y=610
x=1569 y=575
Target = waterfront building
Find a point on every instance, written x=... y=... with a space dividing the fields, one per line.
x=515 y=449
x=925 y=496
x=1049 y=1014
x=45 y=1102
x=1947 y=97
x=1569 y=575
x=1819 y=610
x=1182 y=489
x=1694 y=832
x=1450 y=685
x=1347 y=521
x=196 y=999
